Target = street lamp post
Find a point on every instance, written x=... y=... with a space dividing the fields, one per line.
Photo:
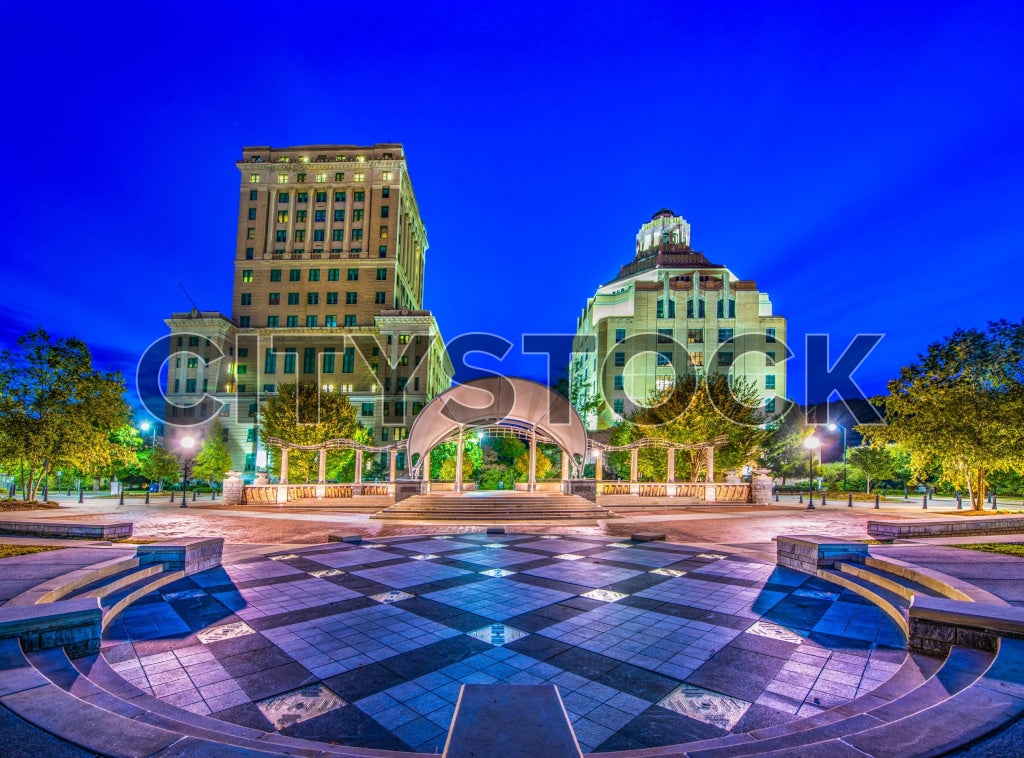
x=186 y=448
x=145 y=426
x=833 y=427
x=811 y=443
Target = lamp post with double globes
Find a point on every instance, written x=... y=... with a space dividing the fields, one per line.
x=833 y=427
x=812 y=443
x=186 y=449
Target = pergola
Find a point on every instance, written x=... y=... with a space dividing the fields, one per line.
x=634 y=448
x=335 y=444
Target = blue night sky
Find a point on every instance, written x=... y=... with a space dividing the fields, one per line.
x=862 y=162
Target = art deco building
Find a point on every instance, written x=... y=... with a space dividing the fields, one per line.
x=669 y=312
x=328 y=289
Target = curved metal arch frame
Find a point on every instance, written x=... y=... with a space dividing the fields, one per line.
x=647 y=442
x=339 y=443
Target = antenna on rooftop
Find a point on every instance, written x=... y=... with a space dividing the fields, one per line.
x=188 y=296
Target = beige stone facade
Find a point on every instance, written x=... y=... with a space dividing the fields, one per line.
x=671 y=312
x=328 y=289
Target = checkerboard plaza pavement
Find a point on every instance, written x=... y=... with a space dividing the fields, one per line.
x=649 y=643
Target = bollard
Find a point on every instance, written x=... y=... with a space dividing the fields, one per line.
x=876 y=501
x=959 y=502
x=213 y=494
x=776 y=496
x=172 y=496
x=995 y=501
x=193 y=496
x=147 y=495
x=46 y=492
x=69 y=492
x=906 y=495
x=924 y=502
x=823 y=498
x=120 y=500
x=849 y=501
x=801 y=498
x=81 y=494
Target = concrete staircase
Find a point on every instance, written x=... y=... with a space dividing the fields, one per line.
x=494 y=507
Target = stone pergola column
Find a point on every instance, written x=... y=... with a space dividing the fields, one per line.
x=709 y=464
x=598 y=466
x=671 y=477
x=321 y=474
x=426 y=467
x=458 y=463
x=634 y=463
x=284 y=465
x=565 y=464
x=393 y=465
x=532 y=480
x=358 y=478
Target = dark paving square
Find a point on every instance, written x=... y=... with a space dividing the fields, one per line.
x=364 y=681
x=738 y=673
x=641 y=683
x=346 y=726
x=660 y=726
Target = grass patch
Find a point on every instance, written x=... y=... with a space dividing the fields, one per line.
x=135 y=541
x=11 y=551
x=1003 y=548
x=10 y=504
x=1000 y=512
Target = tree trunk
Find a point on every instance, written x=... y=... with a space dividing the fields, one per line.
x=979 y=493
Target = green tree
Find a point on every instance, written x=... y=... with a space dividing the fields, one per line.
x=696 y=410
x=213 y=459
x=56 y=410
x=782 y=451
x=543 y=465
x=878 y=462
x=303 y=415
x=960 y=407
x=159 y=465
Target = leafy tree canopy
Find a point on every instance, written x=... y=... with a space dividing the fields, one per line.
x=960 y=407
x=57 y=411
x=213 y=460
x=159 y=465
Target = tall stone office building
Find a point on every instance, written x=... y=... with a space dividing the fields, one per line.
x=328 y=289
x=669 y=312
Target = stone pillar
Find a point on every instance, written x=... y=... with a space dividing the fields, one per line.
x=761 y=487
x=565 y=465
x=598 y=466
x=709 y=487
x=321 y=474
x=284 y=465
x=458 y=463
x=426 y=468
x=392 y=466
x=358 y=477
x=532 y=479
x=634 y=463
x=671 y=474
x=232 y=489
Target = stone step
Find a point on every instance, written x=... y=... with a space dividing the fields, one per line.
x=115 y=602
x=906 y=588
x=109 y=584
x=894 y=605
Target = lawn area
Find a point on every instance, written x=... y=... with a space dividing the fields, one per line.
x=10 y=504
x=1000 y=512
x=1003 y=548
x=11 y=551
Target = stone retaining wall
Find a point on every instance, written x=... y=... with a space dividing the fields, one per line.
x=810 y=552
x=937 y=624
x=68 y=530
x=963 y=526
x=74 y=625
x=188 y=554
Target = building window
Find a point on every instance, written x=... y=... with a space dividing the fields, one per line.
x=246 y=298
x=383 y=234
x=192 y=363
x=282 y=178
x=249 y=254
x=618 y=405
x=332 y=298
x=330 y=320
x=348 y=360
x=321 y=177
x=671 y=310
x=620 y=359
x=339 y=176
x=383 y=432
x=617 y=382
x=339 y=197
x=367 y=409
x=769 y=334
x=727 y=308
x=620 y=335
x=282 y=198
x=664 y=336
x=695 y=312
x=385 y=192
x=769 y=405
x=293 y=298
x=319 y=216
x=384 y=211
x=190 y=385
x=254 y=178
x=193 y=342
x=350 y=320
x=337 y=235
x=382 y=251
x=357 y=235
x=289 y=360
x=300 y=178
x=243 y=321
x=359 y=176
x=300 y=235
x=270 y=361
x=310 y=320
x=314 y=275
x=281 y=235
x=275 y=274
x=252 y=214
x=696 y=359
x=295 y=275
x=247 y=275
x=250 y=233
x=724 y=358
x=382 y=274
x=328 y=360
x=353 y=275
x=769 y=381
x=272 y=321
x=769 y=358
x=350 y=298
x=379 y=298
x=312 y=298
x=291 y=320
x=320 y=197
x=302 y=197
x=385 y=176
x=333 y=274
x=309 y=360
x=725 y=335
x=358 y=197
x=339 y=215
x=253 y=195
x=694 y=336
x=357 y=214
x=664 y=357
